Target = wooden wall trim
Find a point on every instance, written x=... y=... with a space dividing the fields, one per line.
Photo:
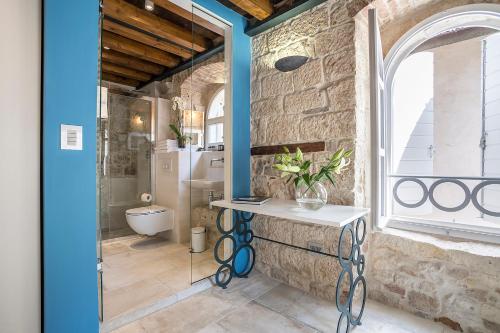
x=306 y=147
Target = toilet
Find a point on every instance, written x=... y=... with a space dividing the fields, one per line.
x=150 y=220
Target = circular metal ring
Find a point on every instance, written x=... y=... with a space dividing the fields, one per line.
x=475 y=202
x=251 y=263
x=360 y=241
x=415 y=180
x=343 y=262
x=250 y=218
x=218 y=220
x=361 y=266
x=238 y=227
x=356 y=254
x=449 y=209
x=227 y=270
x=218 y=244
x=344 y=317
x=338 y=292
x=357 y=321
x=246 y=239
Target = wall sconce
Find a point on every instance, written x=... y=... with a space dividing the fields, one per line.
x=290 y=63
x=138 y=120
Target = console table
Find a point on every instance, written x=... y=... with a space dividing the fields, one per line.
x=350 y=219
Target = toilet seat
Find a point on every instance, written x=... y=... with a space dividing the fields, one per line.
x=148 y=210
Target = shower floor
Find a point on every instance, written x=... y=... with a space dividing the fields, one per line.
x=105 y=234
x=139 y=271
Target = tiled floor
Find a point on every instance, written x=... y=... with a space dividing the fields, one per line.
x=263 y=305
x=139 y=271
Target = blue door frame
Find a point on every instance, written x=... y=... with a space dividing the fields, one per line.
x=70 y=66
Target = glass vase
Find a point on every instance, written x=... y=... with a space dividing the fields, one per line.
x=311 y=197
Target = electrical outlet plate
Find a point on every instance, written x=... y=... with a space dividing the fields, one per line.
x=314 y=246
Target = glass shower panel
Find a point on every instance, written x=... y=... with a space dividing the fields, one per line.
x=100 y=100
x=207 y=82
x=126 y=161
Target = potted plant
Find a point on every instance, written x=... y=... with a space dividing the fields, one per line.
x=310 y=193
x=181 y=138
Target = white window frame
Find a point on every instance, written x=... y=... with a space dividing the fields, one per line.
x=382 y=79
x=216 y=120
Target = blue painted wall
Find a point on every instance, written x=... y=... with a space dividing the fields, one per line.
x=69 y=226
x=241 y=59
x=70 y=78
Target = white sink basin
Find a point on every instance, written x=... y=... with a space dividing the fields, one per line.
x=206 y=184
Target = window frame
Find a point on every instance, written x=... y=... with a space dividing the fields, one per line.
x=215 y=120
x=463 y=16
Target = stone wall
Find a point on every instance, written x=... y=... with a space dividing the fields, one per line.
x=328 y=100
x=314 y=103
x=456 y=283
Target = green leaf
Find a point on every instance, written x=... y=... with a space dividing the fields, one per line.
x=330 y=179
x=176 y=131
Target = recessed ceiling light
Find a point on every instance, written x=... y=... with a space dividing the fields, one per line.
x=149 y=5
x=106 y=47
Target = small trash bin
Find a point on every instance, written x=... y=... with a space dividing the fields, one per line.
x=198 y=239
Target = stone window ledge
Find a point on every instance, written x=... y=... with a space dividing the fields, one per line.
x=446 y=244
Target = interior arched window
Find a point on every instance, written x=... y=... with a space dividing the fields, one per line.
x=215 y=120
x=437 y=97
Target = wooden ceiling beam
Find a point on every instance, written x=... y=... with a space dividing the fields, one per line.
x=125 y=72
x=135 y=49
x=118 y=79
x=146 y=39
x=188 y=15
x=131 y=62
x=260 y=9
x=142 y=19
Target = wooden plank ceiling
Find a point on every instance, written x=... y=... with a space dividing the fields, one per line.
x=139 y=45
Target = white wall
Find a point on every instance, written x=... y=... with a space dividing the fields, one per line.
x=492 y=123
x=20 y=88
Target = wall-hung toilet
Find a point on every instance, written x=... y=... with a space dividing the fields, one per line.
x=150 y=220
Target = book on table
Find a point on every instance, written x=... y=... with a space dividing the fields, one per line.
x=251 y=200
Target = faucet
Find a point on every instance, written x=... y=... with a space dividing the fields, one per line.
x=216 y=160
x=214 y=197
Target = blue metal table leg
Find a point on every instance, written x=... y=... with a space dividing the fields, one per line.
x=354 y=259
x=241 y=237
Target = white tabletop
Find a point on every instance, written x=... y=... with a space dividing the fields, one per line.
x=329 y=215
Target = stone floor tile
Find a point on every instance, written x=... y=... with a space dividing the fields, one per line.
x=253 y=318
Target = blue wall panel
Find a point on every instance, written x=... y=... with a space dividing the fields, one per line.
x=70 y=78
x=70 y=87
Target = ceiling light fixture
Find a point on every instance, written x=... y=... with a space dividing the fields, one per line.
x=290 y=63
x=149 y=5
x=106 y=47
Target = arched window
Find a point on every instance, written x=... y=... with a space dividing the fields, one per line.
x=215 y=120
x=437 y=130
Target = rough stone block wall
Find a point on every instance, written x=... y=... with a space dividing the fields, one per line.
x=438 y=279
x=328 y=99
x=314 y=103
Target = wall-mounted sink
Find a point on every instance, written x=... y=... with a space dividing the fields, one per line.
x=206 y=184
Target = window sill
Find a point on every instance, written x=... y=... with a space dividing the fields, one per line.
x=447 y=243
x=445 y=229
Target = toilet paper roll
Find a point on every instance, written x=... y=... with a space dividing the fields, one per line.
x=146 y=197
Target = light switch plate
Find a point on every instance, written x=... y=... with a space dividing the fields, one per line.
x=71 y=137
